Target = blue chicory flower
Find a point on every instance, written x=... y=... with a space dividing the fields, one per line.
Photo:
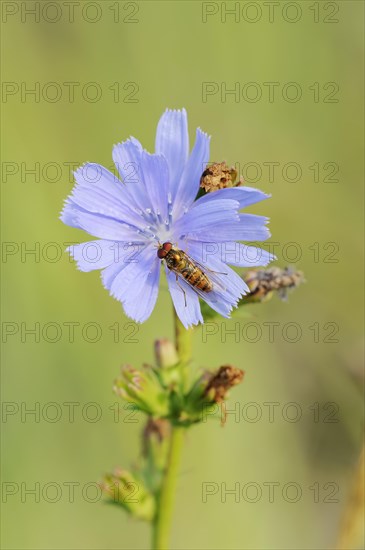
x=155 y=203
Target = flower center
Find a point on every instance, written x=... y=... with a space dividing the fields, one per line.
x=157 y=228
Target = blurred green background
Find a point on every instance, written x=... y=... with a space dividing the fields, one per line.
x=161 y=54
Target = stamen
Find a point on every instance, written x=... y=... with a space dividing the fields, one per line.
x=146 y=232
x=159 y=216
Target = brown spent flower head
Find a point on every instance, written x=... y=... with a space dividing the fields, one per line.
x=221 y=382
x=262 y=282
x=219 y=176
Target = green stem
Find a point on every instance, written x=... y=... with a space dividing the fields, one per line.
x=183 y=341
x=184 y=347
x=167 y=493
x=162 y=522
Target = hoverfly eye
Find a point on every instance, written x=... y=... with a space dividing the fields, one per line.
x=167 y=246
x=161 y=253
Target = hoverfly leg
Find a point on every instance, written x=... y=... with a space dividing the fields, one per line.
x=183 y=291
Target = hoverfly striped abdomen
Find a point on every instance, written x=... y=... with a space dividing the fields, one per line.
x=180 y=263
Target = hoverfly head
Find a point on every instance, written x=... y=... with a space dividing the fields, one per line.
x=163 y=249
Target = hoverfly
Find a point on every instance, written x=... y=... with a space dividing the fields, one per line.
x=182 y=265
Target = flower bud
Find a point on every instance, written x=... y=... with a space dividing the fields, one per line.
x=143 y=388
x=128 y=491
x=165 y=352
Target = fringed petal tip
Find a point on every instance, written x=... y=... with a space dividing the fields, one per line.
x=253 y=190
x=80 y=168
x=191 y=324
x=175 y=111
x=271 y=258
x=130 y=140
x=68 y=214
x=203 y=134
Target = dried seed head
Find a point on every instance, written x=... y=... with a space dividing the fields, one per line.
x=219 y=176
x=220 y=382
x=262 y=282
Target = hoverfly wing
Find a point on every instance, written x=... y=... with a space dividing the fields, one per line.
x=212 y=275
x=212 y=296
x=207 y=284
x=203 y=295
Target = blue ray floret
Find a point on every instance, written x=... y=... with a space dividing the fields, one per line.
x=154 y=201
